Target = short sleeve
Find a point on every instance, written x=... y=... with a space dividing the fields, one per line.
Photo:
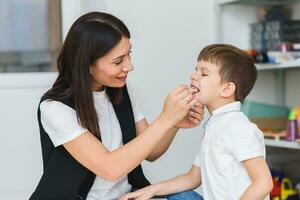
x=138 y=115
x=60 y=122
x=245 y=141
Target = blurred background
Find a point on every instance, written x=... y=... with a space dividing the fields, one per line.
x=167 y=37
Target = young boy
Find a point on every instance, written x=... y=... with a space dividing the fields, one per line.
x=230 y=163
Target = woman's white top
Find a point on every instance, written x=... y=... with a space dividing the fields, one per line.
x=60 y=122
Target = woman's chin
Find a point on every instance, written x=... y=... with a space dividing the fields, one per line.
x=118 y=85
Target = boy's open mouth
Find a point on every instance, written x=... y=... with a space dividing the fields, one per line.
x=195 y=89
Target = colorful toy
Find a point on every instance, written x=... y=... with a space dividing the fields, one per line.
x=293 y=125
x=275 y=193
x=286 y=189
x=282 y=187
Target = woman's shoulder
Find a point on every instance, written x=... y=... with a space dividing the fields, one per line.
x=49 y=105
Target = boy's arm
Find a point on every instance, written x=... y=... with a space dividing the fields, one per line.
x=190 y=180
x=180 y=183
x=261 y=179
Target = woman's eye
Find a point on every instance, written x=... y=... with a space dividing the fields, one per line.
x=204 y=74
x=119 y=62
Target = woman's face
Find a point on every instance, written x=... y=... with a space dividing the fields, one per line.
x=112 y=69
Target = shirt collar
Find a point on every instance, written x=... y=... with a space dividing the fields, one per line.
x=234 y=106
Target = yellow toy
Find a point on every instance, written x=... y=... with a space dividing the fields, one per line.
x=286 y=189
x=282 y=189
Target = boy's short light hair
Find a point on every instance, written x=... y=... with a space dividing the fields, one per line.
x=236 y=66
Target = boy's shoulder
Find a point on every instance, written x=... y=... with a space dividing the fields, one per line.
x=236 y=118
x=238 y=122
x=239 y=133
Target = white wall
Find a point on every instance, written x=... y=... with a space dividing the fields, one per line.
x=167 y=37
x=20 y=152
x=234 y=24
x=72 y=9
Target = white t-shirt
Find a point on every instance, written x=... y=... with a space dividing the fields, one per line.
x=60 y=122
x=229 y=138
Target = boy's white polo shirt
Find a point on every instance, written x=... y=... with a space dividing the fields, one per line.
x=229 y=138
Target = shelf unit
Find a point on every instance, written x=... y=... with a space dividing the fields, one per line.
x=282 y=66
x=282 y=144
x=257 y=2
x=279 y=70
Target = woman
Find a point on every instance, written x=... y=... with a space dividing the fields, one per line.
x=89 y=119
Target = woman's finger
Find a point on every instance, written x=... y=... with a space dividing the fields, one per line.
x=192 y=103
x=195 y=115
x=194 y=121
x=179 y=89
x=183 y=94
x=199 y=111
x=198 y=108
x=188 y=98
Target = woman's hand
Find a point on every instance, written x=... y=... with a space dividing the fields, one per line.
x=177 y=105
x=193 y=118
x=141 y=194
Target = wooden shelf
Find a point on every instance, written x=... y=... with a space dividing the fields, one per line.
x=257 y=2
x=282 y=144
x=285 y=65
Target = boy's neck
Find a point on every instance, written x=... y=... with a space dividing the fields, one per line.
x=219 y=103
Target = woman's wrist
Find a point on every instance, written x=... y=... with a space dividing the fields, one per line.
x=165 y=121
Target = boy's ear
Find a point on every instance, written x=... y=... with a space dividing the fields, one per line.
x=228 y=89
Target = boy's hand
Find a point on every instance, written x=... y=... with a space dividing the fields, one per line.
x=141 y=194
x=193 y=118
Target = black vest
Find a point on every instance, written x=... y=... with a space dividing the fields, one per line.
x=66 y=179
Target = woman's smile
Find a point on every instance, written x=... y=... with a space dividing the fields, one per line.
x=122 y=78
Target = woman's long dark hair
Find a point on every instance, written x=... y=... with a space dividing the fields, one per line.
x=91 y=37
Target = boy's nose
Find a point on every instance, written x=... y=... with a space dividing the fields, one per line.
x=194 y=77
